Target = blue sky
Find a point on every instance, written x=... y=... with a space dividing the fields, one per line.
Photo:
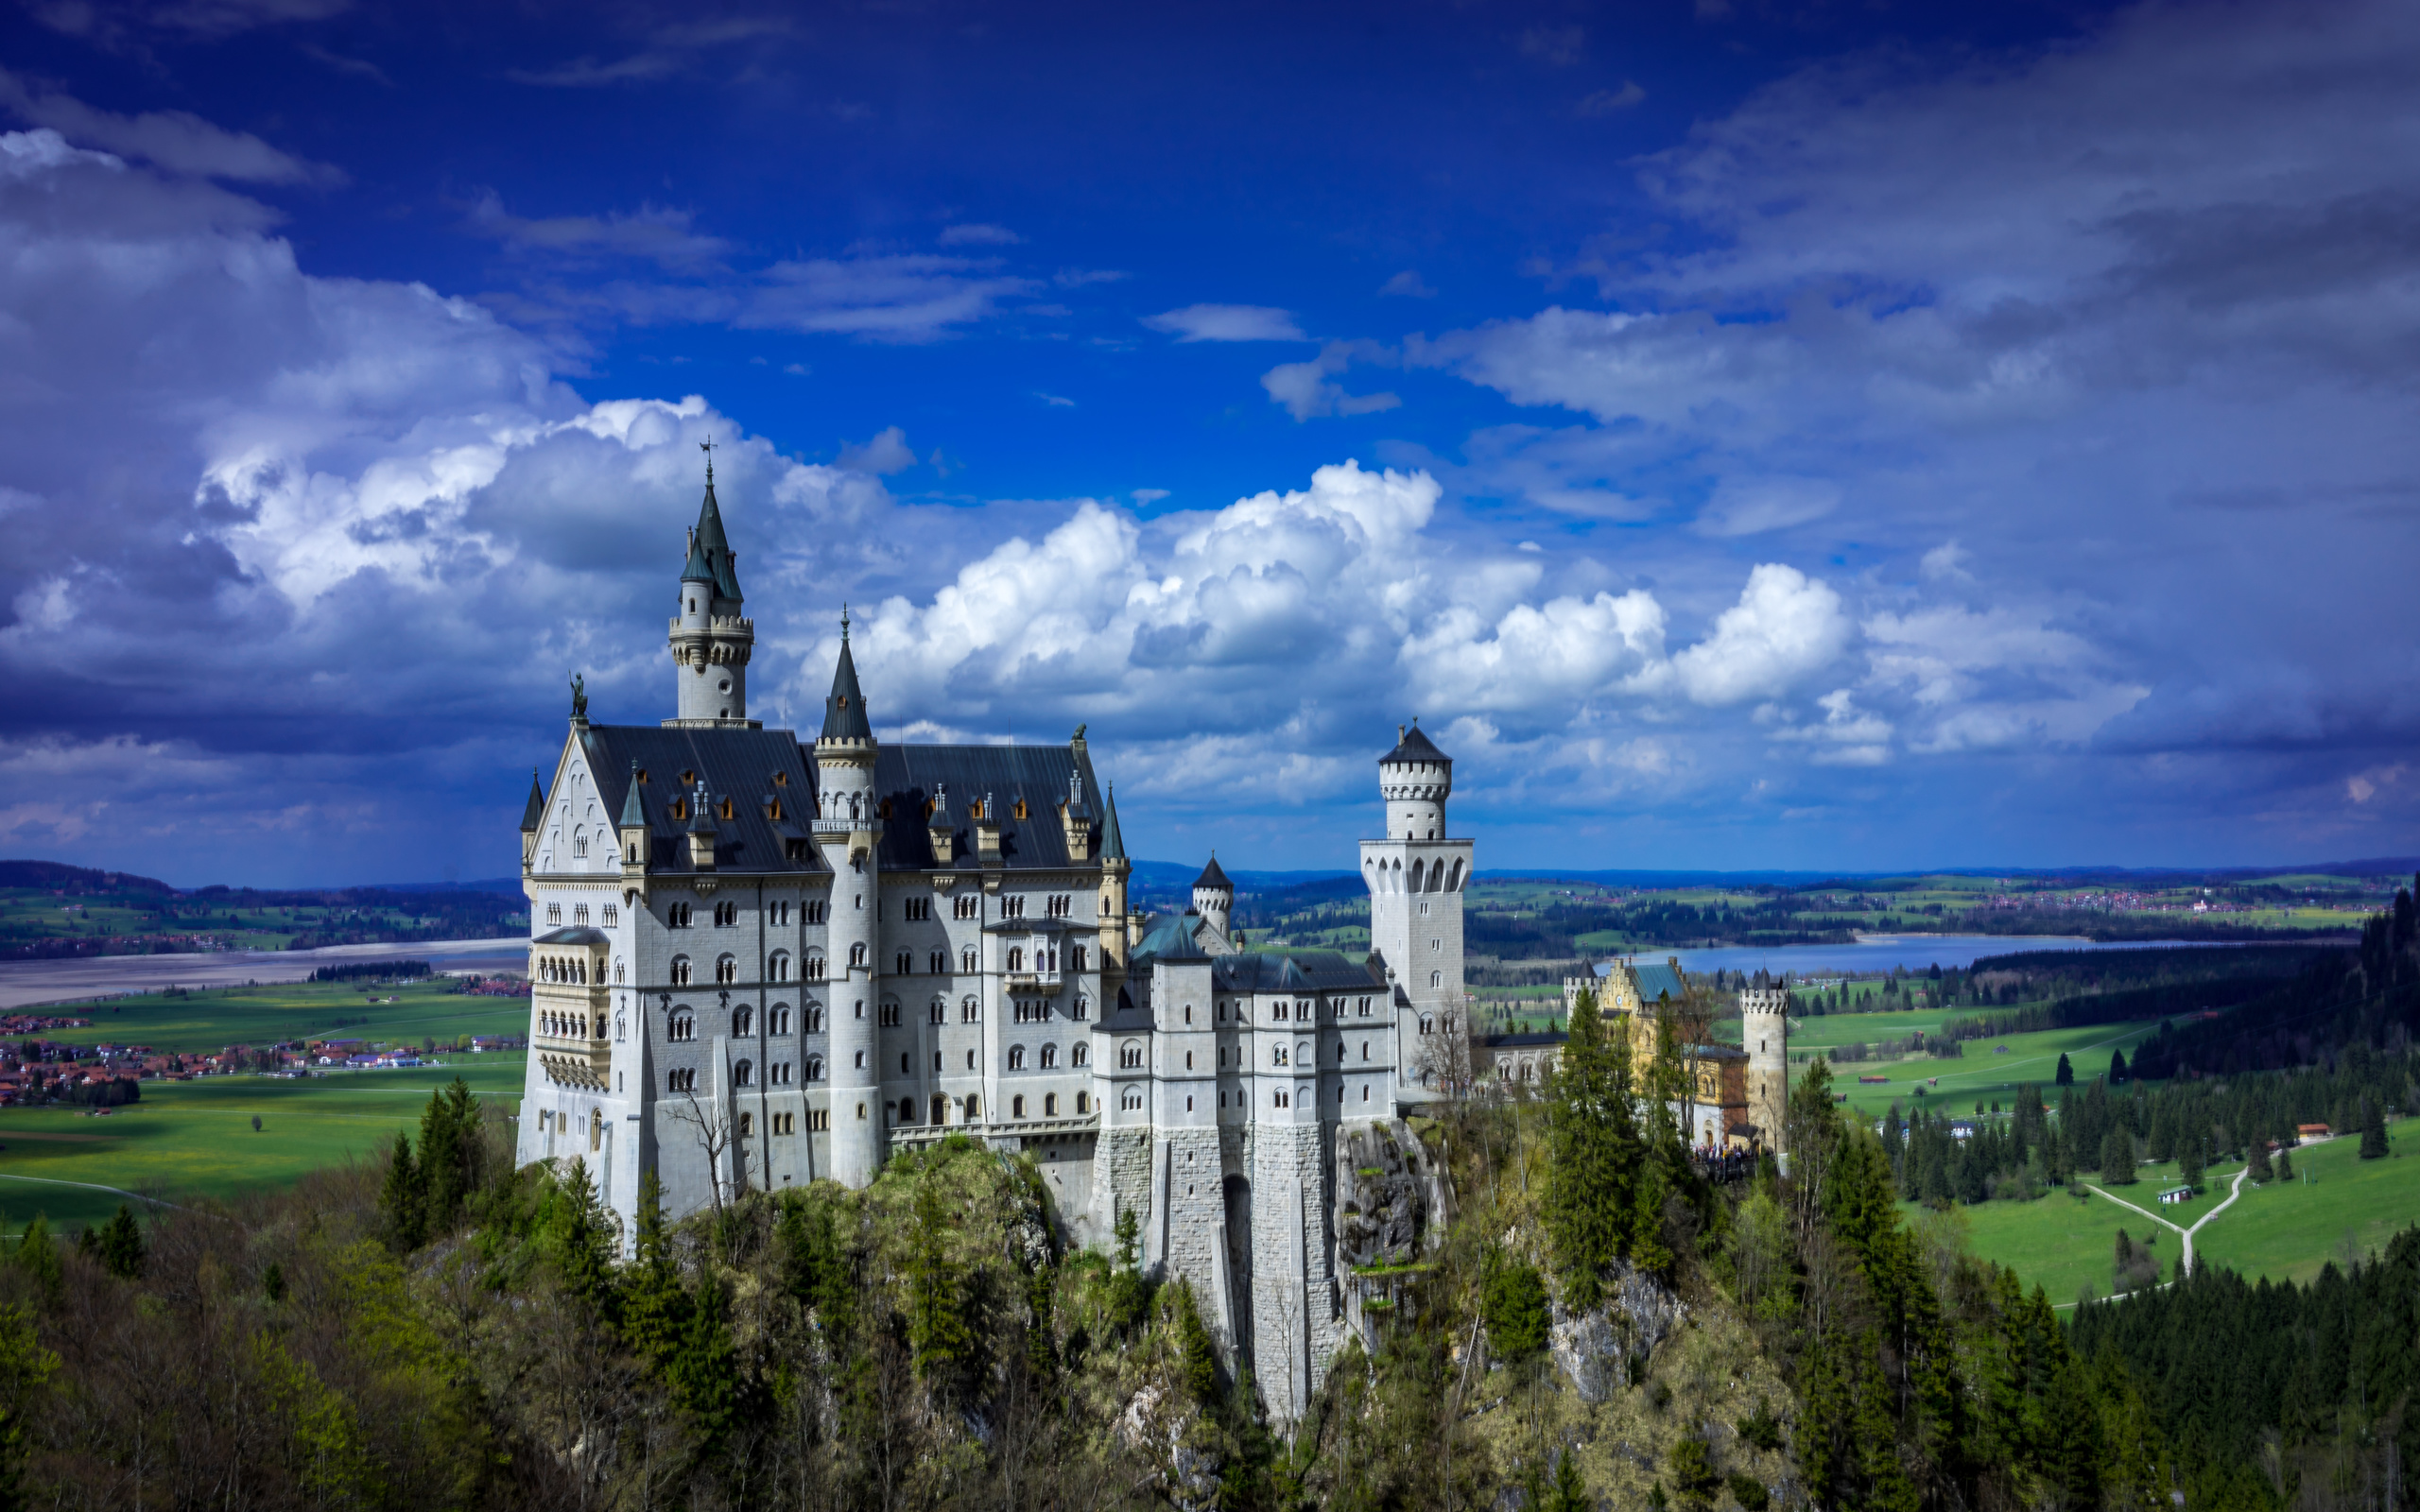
x=1852 y=437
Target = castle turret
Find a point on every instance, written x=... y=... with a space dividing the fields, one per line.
x=1416 y=877
x=1214 y=895
x=1764 y=1033
x=1115 y=869
x=1415 y=779
x=845 y=827
x=711 y=638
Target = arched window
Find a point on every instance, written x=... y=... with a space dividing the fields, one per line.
x=941 y=1108
x=743 y=1075
x=684 y=1027
x=1076 y=958
x=907 y=1110
x=1130 y=1055
x=1016 y=1058
x=1049 y=1057
x=857 y=954
x=937 y=963
x=1435 y=979
x=966 y=959
x=814 y=966
x=726 y=914
x=1081 y=1055
x=1050 y=1105
x=1365 y=1049
x=726 y=970
x=970 y=1010
x=1016 y=1107
x=1130 y=1099
x=973 y=1108
x=814 y=1018
x=814 y=1067
x=680 y=970
x=778 y=968
x=1084 y=1104
x=1428 y=1025
x=676 y=916
x=904 y=963
x=1016 y=958
x=938 y=1012
x=780 y=1023
x=743 y=1022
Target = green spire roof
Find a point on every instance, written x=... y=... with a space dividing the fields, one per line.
x=633 y=811
x=1113 y=845
x=844 y=711
x=533 y=814
x=697 y=568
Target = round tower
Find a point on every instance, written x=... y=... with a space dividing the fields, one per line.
x=1214 y=895
x=1764 y=1033
x=711 y=638
x=845 y=832
x=1415 y=779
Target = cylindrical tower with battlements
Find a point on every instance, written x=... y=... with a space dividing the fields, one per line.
x=1213 y=897
x=1415 y=779
x=846 y=829
x=1764 y=1033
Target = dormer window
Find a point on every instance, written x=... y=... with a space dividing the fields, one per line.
x=680 y=808
x=1020 y=810
x=688 y=778
x=780 y=779
x=727 y=811
x=641 y=774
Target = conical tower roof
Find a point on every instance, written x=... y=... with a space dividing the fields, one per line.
x=633 y=811
x=1411 y=745
x=533 y=813
x=1113 y=845
x=711 y=544
x=844 y=711
x=1212 y=877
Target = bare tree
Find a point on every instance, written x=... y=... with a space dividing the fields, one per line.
x=1443 y=1060
x=714 y=1136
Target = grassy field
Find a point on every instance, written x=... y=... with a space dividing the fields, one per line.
x=195 y=1139
x=264 y=1014
x=2284 y=1230
x=1982 y=1074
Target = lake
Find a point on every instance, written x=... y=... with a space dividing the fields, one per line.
x=1873 y=954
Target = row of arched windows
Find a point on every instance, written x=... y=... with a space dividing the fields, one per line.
x=1440 y=876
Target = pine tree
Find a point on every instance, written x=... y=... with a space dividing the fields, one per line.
x=938 y=1336
x=655 y=1310
x=2285 y=1165
x=2372 y=1129
x=2118 y=1156
x=1197 y=1361
x=1592 y=1142
x=400 y=1201
x=704 y=1372
x=1569 y=1492
x=37 y=1255
x=1513 y=1301
x=121 y=1247
x=582 y=1242
x=2067 y=1073
x=2257 y=1162
x=2188 y=1163
x=2116 y=1067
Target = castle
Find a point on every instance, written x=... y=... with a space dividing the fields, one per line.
x=758 y=962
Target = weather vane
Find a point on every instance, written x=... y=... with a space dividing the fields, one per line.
x=707 y=446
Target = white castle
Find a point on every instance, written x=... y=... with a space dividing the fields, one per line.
x=759 y=963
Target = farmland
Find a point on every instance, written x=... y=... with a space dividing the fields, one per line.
x=2337 y=1205
x=187 y=1140
x=187 y=1023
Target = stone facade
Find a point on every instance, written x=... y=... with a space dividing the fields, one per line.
x=761 y=961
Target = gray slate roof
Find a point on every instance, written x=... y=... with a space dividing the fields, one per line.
x=1212 y=877
x=1411 y=745
x=575 y=935
x=1295 y=971
x=844 y=707
x=715 y=544
x=740 y=765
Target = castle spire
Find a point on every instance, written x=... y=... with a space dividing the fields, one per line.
x=1113 y=845
x=844 y=711
x=533 y=813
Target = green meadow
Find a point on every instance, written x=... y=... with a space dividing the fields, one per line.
x=2337 y=1206
x=1984 y=1073
x=189 y=1139
x=191 y=1021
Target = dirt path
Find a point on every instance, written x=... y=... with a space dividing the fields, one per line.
x=2234 y=1191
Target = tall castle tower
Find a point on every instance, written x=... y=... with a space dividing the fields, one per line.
x=1764 y=1033
x=1417 y=876
x=711 y=640
x=845 y=831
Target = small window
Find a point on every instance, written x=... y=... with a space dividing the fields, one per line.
x=1016 y=1107
x=680 y=970
x=1079 y=1055
x=726 y=970
x=1020 y=812
x=778 y=968
x=904 y=963
x=1016 y=1058
x=966 y=959
x=554 y=913
x=1083 y=1103
x=747 y=1122
x=1049 y=1057
x=814 y=1067
x=1050 y=1105
x=613 y=916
